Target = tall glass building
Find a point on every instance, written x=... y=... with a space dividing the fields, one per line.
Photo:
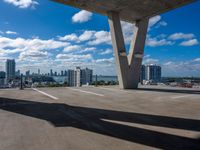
x=150 y=73
x=10 y=69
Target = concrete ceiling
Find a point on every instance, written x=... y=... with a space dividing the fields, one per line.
x=130 y=10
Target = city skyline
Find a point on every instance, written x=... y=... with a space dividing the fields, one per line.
x=79 y=38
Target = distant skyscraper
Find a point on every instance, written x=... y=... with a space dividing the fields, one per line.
x=142 y=74
x=17 y=73
x=71 y=78
x=62 y=73
x=10 y=69
x=28 y=73
x=150 y=73
x=2 y=78
x=51 y=72
x=38 y=71
x=86 y=76
x=153 y=72
x=65 y=74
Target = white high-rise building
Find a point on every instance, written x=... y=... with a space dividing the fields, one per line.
x=79 y=77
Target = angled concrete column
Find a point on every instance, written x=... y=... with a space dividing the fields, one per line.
x=128 y=67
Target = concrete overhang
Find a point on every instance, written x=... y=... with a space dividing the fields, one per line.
x=129 y=10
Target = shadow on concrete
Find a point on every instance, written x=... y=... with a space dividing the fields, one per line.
x=181 y=91
x=91 y=119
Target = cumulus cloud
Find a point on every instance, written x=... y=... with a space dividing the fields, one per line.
x=87 y=50
x=72 y=48
x=33 y=55
x=101 y=37
x=82 y=16
x=106 y=52
x=153 y=42
x=197 y=60
x=191 y=42
x=181 y=68
x=70 y=37
x=11 y=32
x=29 y=49
x=87 y=35
x=105 y=60
x=21 y=44
x=22 y=3
x=178 y=36
x=151 y=61
x=104 y=37
x=74 y=57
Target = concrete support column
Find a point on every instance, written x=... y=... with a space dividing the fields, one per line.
x=128 y=67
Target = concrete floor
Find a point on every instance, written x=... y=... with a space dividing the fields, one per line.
x=99 y=118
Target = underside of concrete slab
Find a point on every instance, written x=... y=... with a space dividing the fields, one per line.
x=129 y=10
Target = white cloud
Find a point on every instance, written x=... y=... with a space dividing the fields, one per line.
x=74 y=57
x=153 y=42
x=161 y=23
x=178 y=36
x=22 y=3
x=197 y=60
x=168 y=63
x=87 y=50
x=28 y=49
x=10 y=32
x=33 y=54
x=87 y=35
x=128 y=31
x=154 y=20
x=72 y=48
x=101 y=37
x=191 y=42
x=150 y=61
x=82 y=16
x=129 y=28
x=70 y=37
x=107 y=51
x=105 y=60
x=181 y=68
x=22 y=44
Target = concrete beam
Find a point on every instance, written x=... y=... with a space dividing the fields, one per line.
x=128 y=67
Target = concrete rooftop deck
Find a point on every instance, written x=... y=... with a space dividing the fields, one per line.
x=99 y=118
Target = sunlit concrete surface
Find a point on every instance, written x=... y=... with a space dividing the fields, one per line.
x=99 y=118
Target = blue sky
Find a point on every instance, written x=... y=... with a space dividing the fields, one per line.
x=47 y=35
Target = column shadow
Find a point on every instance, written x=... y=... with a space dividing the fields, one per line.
x=92 y=119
